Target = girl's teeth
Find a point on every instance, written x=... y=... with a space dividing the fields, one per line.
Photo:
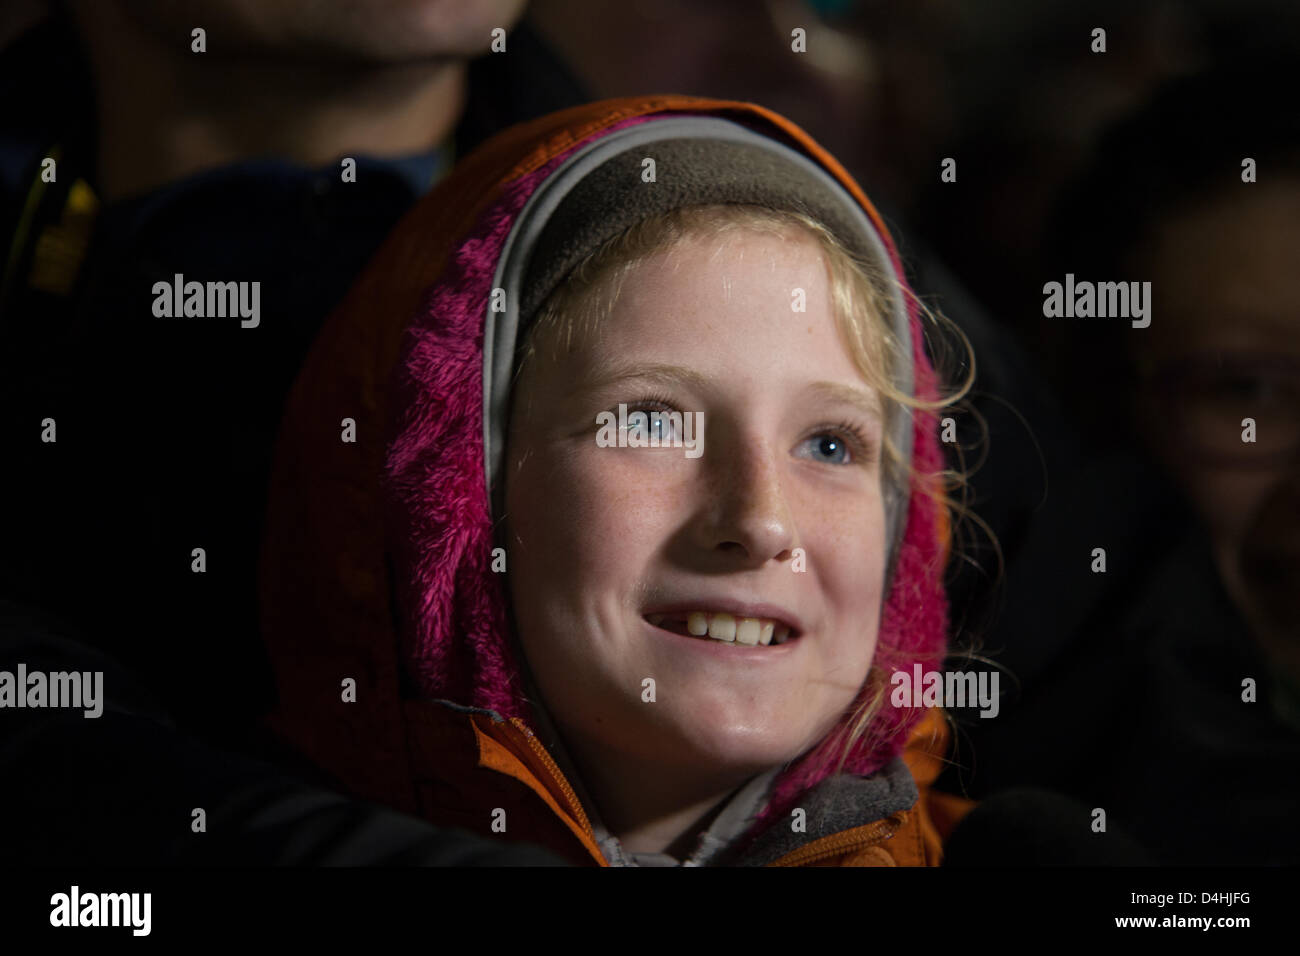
x=722 y=627
x=747 y=631
x=726 y=627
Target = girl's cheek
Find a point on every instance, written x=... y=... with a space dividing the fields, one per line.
x=847 y=523
x=624 y=481
x=849 y=556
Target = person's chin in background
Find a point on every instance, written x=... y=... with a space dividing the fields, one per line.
x=373 y=31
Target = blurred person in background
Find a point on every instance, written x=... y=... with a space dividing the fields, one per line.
x=1177 y=679
x=215 y=156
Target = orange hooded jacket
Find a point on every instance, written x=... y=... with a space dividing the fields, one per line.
x=422 y=711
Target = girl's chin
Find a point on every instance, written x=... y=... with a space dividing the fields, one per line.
x=742 y=752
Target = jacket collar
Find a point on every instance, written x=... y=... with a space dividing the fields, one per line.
x=845 y=809
x=841 y=814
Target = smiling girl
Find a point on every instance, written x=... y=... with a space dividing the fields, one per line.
x=635 y=655
x=747 y=585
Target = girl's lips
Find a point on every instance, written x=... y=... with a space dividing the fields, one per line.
x=724 y=627
x=682 y=609
x=730 y=650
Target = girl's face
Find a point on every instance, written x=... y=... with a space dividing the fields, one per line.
x=781 y=518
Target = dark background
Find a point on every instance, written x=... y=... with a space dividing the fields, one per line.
x=1123 y=690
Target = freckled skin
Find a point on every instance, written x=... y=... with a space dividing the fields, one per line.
x=595 y=530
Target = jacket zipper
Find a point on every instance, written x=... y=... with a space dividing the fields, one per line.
x=552 y=768
x=837 y=844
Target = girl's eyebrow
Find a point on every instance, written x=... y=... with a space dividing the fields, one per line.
x=611 y=373
x=866 y=402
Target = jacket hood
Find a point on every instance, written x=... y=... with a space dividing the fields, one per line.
x=399 y=570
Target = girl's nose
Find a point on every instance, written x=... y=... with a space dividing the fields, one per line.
x=746 y=512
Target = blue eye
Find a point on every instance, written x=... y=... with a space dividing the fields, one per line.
x=654 y=422
x=844 y=444
x=834 y=449
x=661 y=426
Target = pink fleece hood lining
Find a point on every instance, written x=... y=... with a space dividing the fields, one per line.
x=455 y=638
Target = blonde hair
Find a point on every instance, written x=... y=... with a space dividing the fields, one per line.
x=860 y=299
